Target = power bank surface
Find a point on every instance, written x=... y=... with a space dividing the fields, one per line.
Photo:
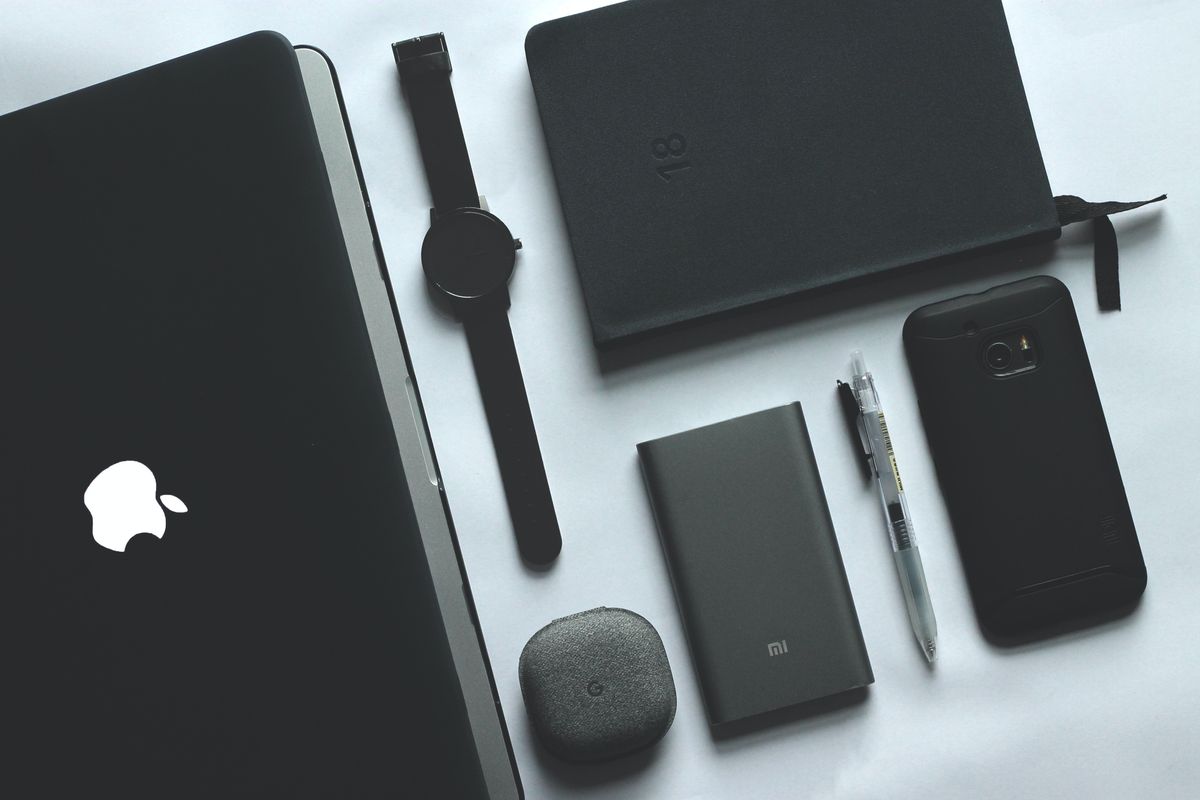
x=755 y=564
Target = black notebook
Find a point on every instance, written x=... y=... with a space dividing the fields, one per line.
x=715 y=154
x=755 y=564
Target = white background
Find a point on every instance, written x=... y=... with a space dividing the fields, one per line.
x=1112 y=712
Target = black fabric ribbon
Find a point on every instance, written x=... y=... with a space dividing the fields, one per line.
x=1073 y=209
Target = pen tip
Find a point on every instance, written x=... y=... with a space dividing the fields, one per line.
x=930 y=648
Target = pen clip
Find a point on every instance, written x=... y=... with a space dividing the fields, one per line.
x=853 y=413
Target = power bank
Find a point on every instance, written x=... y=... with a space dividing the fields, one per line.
x=755 y=564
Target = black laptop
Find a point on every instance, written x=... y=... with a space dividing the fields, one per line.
x=227 y=569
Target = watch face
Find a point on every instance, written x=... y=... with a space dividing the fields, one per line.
x=468 y=253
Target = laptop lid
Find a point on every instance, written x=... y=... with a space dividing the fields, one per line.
x=214 y=578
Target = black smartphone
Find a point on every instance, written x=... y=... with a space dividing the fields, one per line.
x=1024 y=459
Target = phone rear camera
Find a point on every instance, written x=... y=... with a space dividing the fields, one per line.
x=999 y=355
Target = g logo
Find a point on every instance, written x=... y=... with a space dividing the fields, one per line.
x=595 y=688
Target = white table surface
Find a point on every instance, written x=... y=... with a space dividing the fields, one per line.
x=1112 y=712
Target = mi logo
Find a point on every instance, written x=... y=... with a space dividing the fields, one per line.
x=777 y=648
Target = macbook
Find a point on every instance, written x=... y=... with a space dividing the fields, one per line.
x=229 y=568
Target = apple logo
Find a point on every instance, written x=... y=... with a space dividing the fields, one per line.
x=123 y=502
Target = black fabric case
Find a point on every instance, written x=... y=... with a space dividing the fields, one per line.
x=755 y=564
x=714 y=154
x=597 y=685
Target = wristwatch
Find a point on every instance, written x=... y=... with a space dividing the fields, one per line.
x=468 y=256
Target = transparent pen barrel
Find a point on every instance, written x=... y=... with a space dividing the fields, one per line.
x=916 y=597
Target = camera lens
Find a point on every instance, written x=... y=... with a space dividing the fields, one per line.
x=999 y=355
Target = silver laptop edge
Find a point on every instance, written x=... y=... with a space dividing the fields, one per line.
x=411 y=437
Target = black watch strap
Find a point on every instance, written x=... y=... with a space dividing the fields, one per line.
x=475 y=282
x=424 y=66
x=490 y=339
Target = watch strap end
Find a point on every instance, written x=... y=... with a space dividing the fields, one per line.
x=422 y=55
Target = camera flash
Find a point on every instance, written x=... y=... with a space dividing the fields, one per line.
x=1026 y=349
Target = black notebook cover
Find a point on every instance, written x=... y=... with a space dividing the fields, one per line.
x=714 y=154
x=755 y=564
